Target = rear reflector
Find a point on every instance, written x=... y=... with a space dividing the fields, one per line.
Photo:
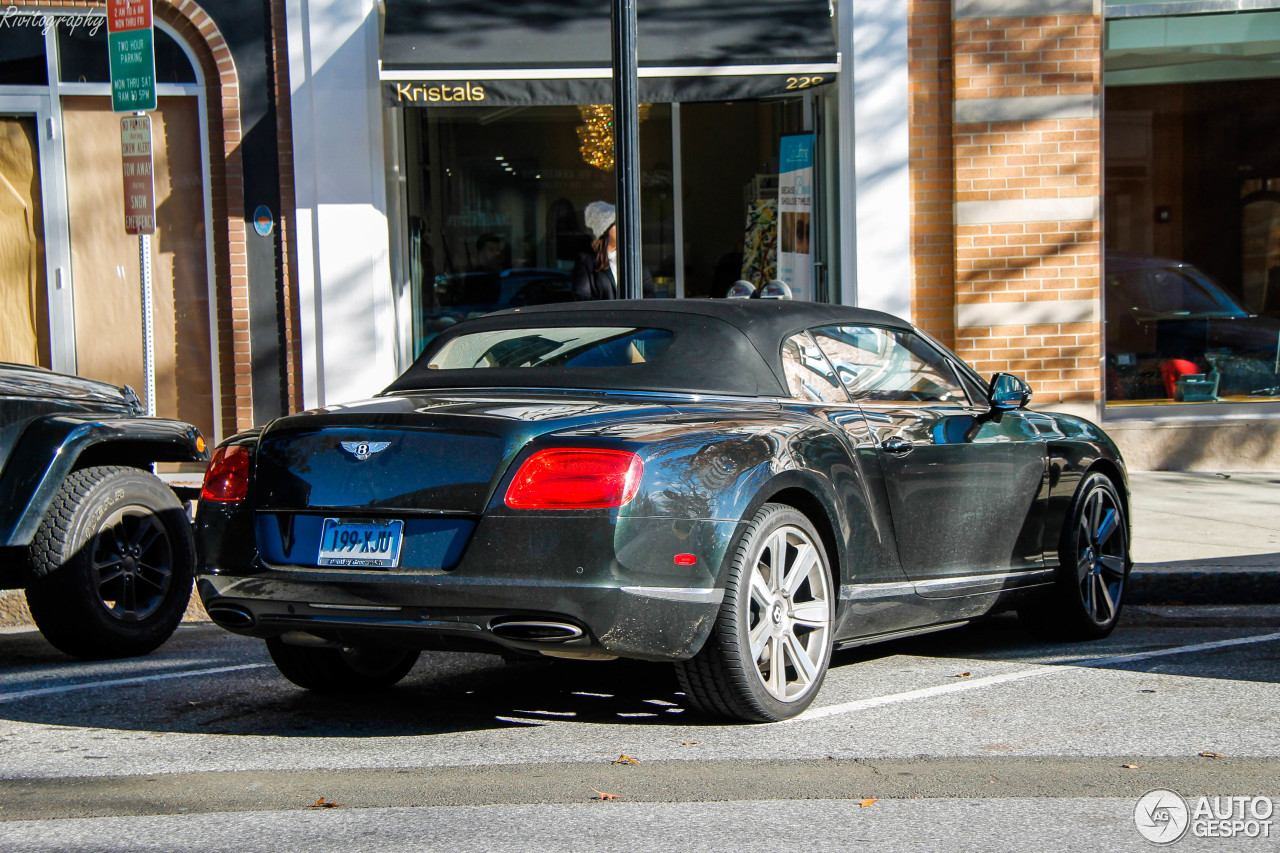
x=228 y=476
x=575 y=478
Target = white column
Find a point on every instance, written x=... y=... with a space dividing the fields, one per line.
x=344 y=277
x=875 y=194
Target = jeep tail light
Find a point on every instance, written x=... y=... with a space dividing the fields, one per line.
x=228 y=476
x=575 y=478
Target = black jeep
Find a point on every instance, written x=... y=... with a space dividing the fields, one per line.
x=102 y=546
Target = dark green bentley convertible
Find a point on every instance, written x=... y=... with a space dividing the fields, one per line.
x=737 y=487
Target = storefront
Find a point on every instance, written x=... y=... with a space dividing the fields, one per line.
x=499 y=127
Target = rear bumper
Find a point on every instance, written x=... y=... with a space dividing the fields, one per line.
x=614 y=579
x=644 y=622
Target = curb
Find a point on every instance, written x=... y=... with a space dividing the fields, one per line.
x=14 y=613
x=1207 y=584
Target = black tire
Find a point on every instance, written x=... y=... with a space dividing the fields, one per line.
x=112 y=564
x=726 y=678
x=341 y=670
x=1093 y=567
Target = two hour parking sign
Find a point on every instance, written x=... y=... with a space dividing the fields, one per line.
x=132 y=55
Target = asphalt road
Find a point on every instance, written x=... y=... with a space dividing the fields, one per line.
x=981 y=738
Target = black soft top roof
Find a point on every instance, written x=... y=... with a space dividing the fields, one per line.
x=719 y=346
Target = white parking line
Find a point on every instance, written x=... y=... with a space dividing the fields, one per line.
x=992 y=680
x=118 y=682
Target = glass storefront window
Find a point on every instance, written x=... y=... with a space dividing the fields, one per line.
x=1192 y=220
x=730 y=166
x=22 y=60
x=494 y=201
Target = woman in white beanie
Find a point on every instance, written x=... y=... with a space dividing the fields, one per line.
x=595 y=275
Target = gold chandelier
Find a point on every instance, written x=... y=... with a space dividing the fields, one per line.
x=595 y=134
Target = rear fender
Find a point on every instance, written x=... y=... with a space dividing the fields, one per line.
x=52 y=447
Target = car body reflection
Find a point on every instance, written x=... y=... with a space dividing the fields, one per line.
x=1173 y=333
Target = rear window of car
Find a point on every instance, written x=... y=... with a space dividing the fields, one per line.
x=563 y=346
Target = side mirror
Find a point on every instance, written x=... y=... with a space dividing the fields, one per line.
x=1008 y=392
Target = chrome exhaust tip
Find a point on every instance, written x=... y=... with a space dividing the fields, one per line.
x=537 y=631
x=230 y=616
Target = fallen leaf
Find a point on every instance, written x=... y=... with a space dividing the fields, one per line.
x=625 y=759
x=962 y=675
x=691 y=743
x=601 y=795
x=1207 y=754
x=868 y=802
x=1129 y=766
x=322 y=803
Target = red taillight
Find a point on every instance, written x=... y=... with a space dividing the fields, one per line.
x=575 y=478
x=228 y=476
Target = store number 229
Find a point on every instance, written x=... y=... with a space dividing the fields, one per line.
x=802 y=82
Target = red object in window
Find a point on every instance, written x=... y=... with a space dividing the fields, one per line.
x=575 y=478
x=1171 y=369
x=227 y=479
x=685 y=560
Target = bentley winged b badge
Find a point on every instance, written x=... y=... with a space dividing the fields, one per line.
x=362 y=450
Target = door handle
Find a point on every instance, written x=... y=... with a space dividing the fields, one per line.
x=897 y=445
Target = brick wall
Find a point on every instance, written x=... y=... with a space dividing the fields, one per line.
x=931 y=168
x=1025 y=153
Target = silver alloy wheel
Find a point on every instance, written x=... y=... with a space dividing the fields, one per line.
x=132 y=563
x=789 y=621
x=1100 y=544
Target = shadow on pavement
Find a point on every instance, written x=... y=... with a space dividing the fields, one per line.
x=450 y=692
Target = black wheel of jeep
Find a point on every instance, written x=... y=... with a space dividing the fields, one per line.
x=771 y=644
x=358 y=669
x=112 y=564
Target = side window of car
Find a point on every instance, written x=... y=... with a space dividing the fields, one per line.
x=809 y=374
x=889 y=365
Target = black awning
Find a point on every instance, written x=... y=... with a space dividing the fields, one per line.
x=465 y=35
x=477 y=92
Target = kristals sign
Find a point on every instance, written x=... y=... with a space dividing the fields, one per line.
x=139 y=188
x=132 y=55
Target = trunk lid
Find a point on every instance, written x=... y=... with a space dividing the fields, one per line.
x=416 y=454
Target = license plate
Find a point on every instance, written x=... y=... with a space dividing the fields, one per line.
x=360 y=544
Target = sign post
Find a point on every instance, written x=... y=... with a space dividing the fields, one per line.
x=626 y=141
x=131 y=55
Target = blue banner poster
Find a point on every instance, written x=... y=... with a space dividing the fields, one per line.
x=795 y=213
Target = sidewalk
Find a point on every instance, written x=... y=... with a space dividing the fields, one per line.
x=1205 y=538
